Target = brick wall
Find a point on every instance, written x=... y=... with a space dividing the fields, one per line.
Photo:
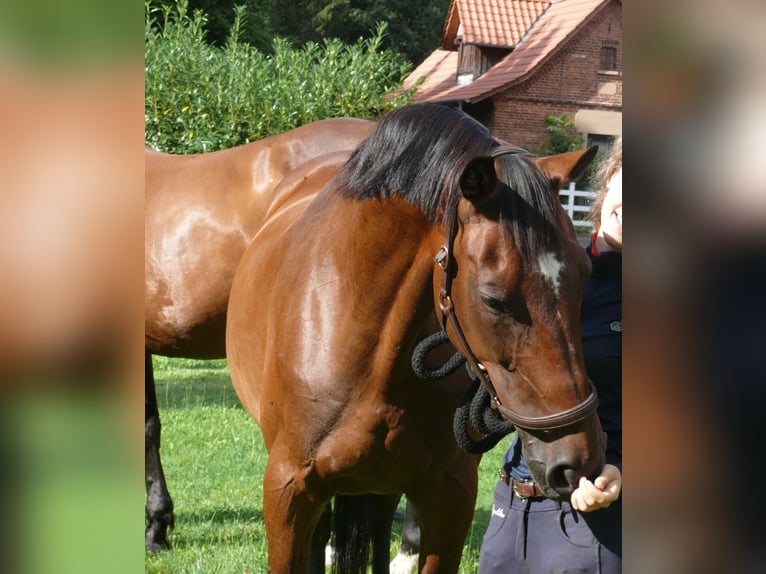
x=568 y=82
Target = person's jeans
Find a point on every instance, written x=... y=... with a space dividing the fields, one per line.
x=542 y=536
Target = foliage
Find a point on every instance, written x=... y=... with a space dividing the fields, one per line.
x=414 y=27
x=214 y=459
x=590 y=178
x=200 y=97
x=258 y=30
x=562 y=136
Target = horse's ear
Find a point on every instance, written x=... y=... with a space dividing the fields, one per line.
x=478 y=179
x=566 y=167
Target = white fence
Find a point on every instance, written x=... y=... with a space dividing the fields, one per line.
x=577 y=204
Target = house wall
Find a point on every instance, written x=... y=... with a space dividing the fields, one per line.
x=570 y=82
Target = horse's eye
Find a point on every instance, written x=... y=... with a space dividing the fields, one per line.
x=495 y=305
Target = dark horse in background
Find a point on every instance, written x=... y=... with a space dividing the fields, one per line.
x=202 y=210
x=429 y=223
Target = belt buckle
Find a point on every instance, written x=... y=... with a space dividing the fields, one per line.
x=516 y=491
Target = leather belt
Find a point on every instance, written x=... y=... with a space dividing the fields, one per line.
x=522 y=489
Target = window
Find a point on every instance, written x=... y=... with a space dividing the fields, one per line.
x=476 y=60
x=603 y=141
x=608 y=58
x=608 y=55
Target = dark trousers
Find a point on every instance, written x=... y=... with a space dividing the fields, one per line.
x=548 y=537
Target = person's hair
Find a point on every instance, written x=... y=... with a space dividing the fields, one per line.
x=609 y=166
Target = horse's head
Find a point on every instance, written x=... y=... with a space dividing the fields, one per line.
x=509 y=284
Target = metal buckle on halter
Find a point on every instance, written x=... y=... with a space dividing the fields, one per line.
x=445 y=302
x=441 y=257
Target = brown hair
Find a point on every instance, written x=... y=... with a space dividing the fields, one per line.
x=609 y=166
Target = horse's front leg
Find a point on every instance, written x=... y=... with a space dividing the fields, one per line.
x=291 y=512
x=445 y=510
x=159 y=505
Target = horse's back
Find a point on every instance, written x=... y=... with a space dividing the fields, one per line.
x=255 y=167
x=202 y=210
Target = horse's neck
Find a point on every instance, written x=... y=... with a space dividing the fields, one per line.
x=392 y=247
x=350 y=276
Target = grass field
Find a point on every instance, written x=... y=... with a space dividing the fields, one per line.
x=214 y=459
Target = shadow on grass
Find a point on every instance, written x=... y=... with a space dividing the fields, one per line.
x=221 y=515
x=481 y=518
x=194 y=391
x=210 y=526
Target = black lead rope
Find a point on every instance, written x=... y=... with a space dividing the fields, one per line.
x=484 y=418
x=475 y=408
x=426 y=346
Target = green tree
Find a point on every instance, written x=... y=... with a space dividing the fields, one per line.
x=258 y=29
x=414 y=27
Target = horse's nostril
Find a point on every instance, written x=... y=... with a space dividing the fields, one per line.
x=562 y=479
x=570 y=477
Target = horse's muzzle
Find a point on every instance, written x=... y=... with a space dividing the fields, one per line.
x=558 y=462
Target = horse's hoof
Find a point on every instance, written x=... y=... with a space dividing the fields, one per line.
x=404 y=564
x=156 y=538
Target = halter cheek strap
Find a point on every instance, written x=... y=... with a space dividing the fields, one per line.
x=445 y=261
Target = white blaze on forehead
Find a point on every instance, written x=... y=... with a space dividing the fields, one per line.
x=550 y=267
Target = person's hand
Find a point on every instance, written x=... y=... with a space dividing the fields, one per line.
x=600 y=493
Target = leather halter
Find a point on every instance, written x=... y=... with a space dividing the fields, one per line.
x=445 y=261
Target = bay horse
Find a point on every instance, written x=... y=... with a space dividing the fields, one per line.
x=430 y=223
x=202 y=210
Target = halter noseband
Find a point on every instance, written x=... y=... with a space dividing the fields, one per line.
x=445 y=261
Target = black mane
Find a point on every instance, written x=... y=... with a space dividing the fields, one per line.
x=418 y=152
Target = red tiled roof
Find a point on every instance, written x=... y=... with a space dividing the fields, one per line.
x=498 y=22
x=439 y=69
x=557 y=23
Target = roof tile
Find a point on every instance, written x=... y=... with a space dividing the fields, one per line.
x=498 y=22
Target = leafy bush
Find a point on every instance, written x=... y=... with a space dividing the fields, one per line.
x=562 y=136
x=200 y=98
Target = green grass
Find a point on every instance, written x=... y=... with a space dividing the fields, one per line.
x=214 y=459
